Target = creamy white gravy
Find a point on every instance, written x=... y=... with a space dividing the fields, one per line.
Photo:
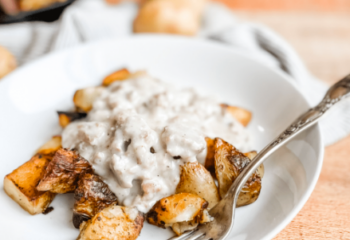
x=141 y=130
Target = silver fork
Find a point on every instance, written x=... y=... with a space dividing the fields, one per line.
x=224 y=212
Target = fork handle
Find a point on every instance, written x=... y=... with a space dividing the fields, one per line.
x=336 y=93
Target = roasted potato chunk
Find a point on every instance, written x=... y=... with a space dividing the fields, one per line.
x=261 y=168
x=62 y=173
x=180 y=228
x=21 y=184
x=65 y=118
x=181 y=207
x=196 y=179
x=113 y=223
x=119 y=75
x=209 y=159
x=172 y=17
x=83 y=98
x=91 y=196
x=229 y=163
x=51 y=146
x=240 y=114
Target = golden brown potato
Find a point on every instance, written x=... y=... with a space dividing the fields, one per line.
x=229 y=163
x=91 y=196
x=171 y=16
x=251 y=154
x=51 y=146
x=240 y=114
x=113 y=223
x=181 y=207
x=261 y=168
x=84 y=98
x=119 y=75
x=21 y=184
x=205 y=217
x=65 y=118
x=196 y=179
x=7 y=62
x=62 y=173
x=209 y=159
x=180 y=228
x=31 y=5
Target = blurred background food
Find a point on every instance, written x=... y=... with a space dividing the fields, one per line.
x=7 y=62
x=12 y=11
x=319 y=30
x=169 y=16
x=31 y=5
x=15 y=6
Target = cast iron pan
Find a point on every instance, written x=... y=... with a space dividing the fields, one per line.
x=48 y=14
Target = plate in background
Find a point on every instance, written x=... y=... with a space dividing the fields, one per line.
x=30 y=96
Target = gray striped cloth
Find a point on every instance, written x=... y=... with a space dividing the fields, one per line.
x=92 y=20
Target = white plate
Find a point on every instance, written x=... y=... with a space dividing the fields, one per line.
x=30 y=96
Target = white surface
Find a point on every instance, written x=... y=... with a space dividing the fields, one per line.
x=30 y=96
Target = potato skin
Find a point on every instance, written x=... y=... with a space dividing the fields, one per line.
x=62 y=173
x=176 y=208
x=65 y=118
x=119 y=75
x=84 y=98
x=229 y=163
x=21 y=184
x=261 y=168
x=51 y=146
x=196 y=179
x=91 y=196
x=209 y=159
x=113 y=223
x=240 y=114
x=171 y=16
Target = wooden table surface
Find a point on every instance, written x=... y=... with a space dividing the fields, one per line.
x=323 y=42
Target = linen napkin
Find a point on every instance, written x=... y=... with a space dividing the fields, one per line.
x=91 y=20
